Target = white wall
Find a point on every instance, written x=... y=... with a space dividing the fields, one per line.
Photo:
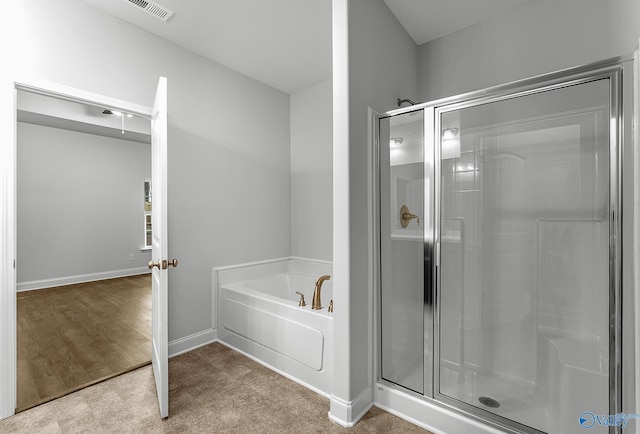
x=311 y=172
x=80 y=203
x=228 y=174
x=539 y=37
x=381 y=66
x=624 y=25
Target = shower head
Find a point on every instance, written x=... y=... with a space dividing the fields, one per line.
x=403 y=101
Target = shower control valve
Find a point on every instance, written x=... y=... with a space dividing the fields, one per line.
x=406 y=216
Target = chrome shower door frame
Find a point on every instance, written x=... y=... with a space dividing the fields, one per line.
x=611 y=69
x=545 y=83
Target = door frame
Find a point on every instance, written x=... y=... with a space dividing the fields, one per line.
x=636 y=215
x=8 y=210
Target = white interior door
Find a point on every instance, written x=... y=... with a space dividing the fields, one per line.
x=159 y=266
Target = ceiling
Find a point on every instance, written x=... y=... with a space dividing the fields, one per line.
x=426 y=20
x=287 y=43
x=283 y=43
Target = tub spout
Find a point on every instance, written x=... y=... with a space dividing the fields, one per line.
x=316 y=304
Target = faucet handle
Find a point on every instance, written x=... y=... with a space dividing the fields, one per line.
x=301 y=303
x=406 y=216
x=330 y=309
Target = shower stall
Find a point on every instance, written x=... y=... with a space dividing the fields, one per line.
x=501 y=236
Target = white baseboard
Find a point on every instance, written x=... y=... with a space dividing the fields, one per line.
x=348 y=413
x=191 y=342
x=81 y=278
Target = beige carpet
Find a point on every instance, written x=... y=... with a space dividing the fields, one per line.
x=212 y=390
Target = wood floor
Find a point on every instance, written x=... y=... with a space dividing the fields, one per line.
x=73 y=336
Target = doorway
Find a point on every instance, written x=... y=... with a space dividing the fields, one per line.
x=8 y=214
x=82 y=206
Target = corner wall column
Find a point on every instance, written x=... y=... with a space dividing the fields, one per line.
x=342 y=409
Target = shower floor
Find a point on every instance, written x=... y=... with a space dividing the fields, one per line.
x=409 y=374
x=517 y=401
x=527 y=403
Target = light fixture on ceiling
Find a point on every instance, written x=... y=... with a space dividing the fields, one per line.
x=114 y=112
x=117 y=113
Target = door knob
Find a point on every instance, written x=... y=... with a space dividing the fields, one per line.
x=163 y=265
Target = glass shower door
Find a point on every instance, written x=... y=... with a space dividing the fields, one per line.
x=402 y=250
x=524 y=237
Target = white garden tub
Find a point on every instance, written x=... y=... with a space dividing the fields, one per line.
x=258 y=315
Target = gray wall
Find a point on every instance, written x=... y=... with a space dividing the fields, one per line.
x=80 y=203
x=382 y=67
x=624 y=24
x=539 y=37
x=228 y=175
x=311 y=172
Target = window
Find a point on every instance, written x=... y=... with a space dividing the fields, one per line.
x=147 y=214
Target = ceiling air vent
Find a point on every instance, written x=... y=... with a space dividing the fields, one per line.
x=152 y=8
